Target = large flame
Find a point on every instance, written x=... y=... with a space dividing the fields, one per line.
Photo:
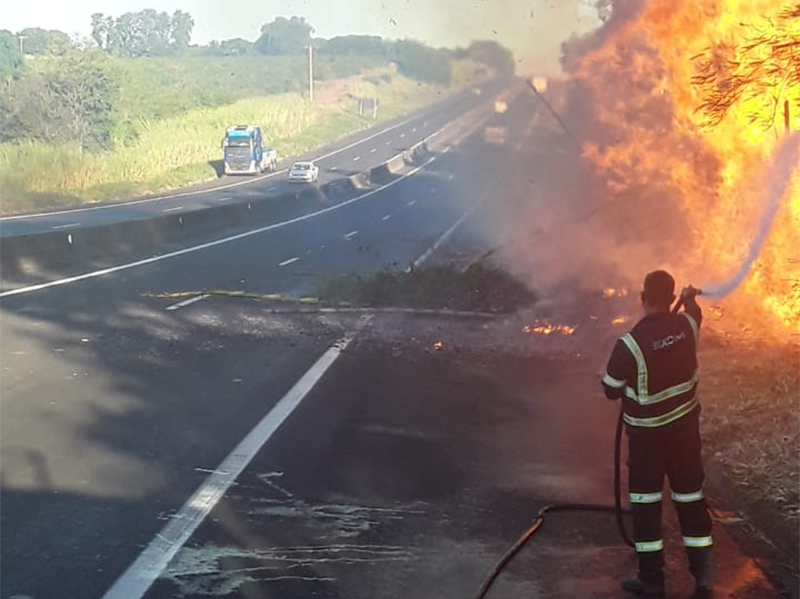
x=701 y=111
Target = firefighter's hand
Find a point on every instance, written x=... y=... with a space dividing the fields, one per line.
x=689 y=292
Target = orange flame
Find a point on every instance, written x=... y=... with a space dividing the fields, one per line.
x=686 y=57
x=548 y=329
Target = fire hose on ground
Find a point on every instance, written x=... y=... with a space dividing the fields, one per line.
x=616 y=509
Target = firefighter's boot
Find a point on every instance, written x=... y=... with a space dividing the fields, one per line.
x=703 y=568
x=643 y=588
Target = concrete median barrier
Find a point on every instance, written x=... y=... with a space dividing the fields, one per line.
x=25 y=255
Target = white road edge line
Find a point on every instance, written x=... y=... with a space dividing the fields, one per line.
x=429 y=252
x=172 y=209
x=223 y=199
x=69 y=226
x=143 y=572
x=288 y=262
x=203 y=246
x=187 y=302
x=221 y=187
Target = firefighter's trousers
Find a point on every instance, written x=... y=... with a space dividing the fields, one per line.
x=673 y=450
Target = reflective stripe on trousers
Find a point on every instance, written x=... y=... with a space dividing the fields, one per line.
x=646 y=497
x=687 y=497
x=649 y=546
x=698 y=541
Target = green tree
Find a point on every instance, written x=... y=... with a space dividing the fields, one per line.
x=11 y=61
x=420 y=62
x=492 y=55
x=181 y=26
x=39 y=41
x=284 y=36
x=70 y=100
x=235 y=47
x=102 y=27
x=358 y=45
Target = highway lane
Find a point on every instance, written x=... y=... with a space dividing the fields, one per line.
x=356 y=153
x=114 y=408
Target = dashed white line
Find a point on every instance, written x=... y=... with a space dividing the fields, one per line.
x=402 y=135
x=373 y=150
x=188 y=302
x=387 y=217
x=143 y=572
x=203 y=246
x=172 y=209
x=388 y=143
x=288 y=262
x=357 y=158
x=414 y=130
x=412 y=202
x=350 y=235
x=69 y=226
x=224 y=199
x=221 y=187
x=333 y=169
x=429 y=252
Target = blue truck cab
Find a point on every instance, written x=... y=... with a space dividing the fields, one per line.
x=244 y=152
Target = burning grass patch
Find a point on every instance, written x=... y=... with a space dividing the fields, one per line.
x=479 y=288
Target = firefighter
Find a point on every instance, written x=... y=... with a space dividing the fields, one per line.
x=653 y=370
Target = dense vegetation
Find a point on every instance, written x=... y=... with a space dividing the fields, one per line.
x=68 y=106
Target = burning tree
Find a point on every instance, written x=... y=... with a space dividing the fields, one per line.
x=763 y=71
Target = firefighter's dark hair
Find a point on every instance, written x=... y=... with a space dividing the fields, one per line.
x=659 y=289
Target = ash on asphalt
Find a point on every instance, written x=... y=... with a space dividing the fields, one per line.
x=418 y=459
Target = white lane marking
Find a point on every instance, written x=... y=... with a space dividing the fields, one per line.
x=210 y=244
x=172 y=209
x=224 y=199
x=429 y=252
x=414 y=130
x=357 y=158
x=450 y=177
x=388 y=143
x=288 y=262
x=387 y=217
x=446 y=150
x=350 y=235
x=373 y=150
x=69 y=226
x=143 y=572
x=188 y=302
x=412 y=202
x=402 y=135
x=333 y=169
x=219 y=188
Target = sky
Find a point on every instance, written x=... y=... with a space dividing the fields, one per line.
x=532 y=28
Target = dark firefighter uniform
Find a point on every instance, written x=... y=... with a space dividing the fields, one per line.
x=653 y=369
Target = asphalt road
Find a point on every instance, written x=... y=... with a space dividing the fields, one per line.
x=354 y=154
x=395 y=476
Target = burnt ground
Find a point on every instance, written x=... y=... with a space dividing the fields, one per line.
x=423 y=454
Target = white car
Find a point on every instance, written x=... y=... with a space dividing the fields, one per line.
x=307 y=172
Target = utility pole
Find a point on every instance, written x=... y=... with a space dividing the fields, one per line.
x=310 y=73
x=22 y=39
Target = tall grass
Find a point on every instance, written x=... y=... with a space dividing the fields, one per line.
x=180 y=150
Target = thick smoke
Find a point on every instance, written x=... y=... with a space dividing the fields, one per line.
x=584 y=227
